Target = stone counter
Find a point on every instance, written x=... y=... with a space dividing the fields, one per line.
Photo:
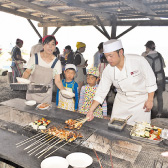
x=126 y=152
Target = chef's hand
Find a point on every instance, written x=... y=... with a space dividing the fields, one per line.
x=90 y=116
x=148 y=105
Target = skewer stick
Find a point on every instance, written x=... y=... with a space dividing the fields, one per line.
x=30 y=140
x=79 y=119
x=57 y=149
x=53 y=143
x=97 y=158
x=50 y=148
x=40 y=146
x=81 y=122
x=39 y=140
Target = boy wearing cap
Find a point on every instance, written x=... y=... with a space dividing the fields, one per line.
x=134 y=81
x=70 y=85
x=88 y=92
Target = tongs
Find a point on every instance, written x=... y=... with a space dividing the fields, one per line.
x=128 y=118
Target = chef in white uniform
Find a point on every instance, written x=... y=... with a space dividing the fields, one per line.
x=135 y=83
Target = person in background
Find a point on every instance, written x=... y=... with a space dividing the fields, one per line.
x=98 y=55
x=17 y=60
x=103 y=63
x=70 y=104
x=42 y=68
x=37 y=47
x=68 y=57
x=57 y=51
x=134 y=81
x=81 y=65
x=157 y=63
x=88 y=92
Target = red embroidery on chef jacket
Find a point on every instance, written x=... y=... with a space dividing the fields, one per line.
x=134 y=72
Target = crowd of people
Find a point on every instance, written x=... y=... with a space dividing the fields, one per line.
x=134 y=79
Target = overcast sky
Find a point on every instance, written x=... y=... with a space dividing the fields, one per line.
x=13 y=27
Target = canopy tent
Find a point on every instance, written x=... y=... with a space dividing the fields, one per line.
x=99 y=13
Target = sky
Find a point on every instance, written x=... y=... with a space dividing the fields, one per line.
x=13 y=27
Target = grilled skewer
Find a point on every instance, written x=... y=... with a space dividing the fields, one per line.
x=75 y=124
x=57 y=149
x=53 y=143
x=50 y=148
x=28 y=138
x=49 y=138
x=39 y=140
x=41 y=145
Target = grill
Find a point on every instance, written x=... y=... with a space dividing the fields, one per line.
x=47 y=141
x=125 y=152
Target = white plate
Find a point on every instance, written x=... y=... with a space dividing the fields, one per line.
x=79 y=160
x=23 y=80
x=38 y=106
x=67 y=94
x=54 y=162
x=30 y=102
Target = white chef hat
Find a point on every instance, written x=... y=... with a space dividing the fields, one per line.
x=68 y=66
x=112 y=45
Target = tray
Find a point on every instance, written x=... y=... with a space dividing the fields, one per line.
x=18 y=86
x=32 y=88
x=143 y=138
x=117 y=124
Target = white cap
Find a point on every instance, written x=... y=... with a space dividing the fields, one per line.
x=112 y=45
x=70 y=66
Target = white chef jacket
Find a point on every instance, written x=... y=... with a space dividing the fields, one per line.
x=133 y=83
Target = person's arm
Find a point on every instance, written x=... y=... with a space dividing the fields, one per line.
x=20 y=58
x=26 y=73
x=58 y=82
x=149 y=103
x=150 y=81
x=76 y=96
x=91 y=110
